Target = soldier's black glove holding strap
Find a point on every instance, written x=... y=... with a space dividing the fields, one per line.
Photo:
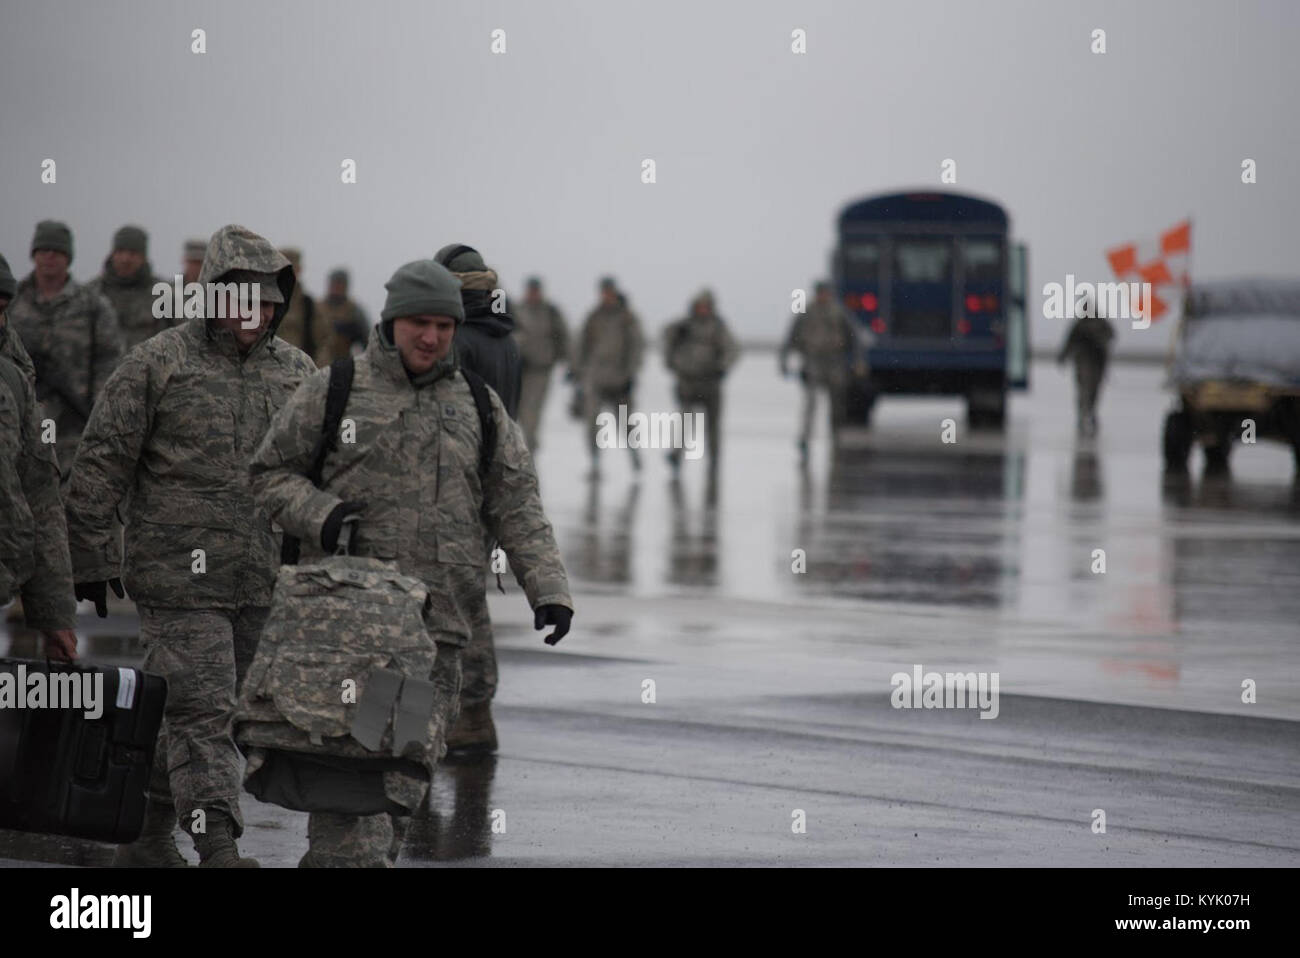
x=97 y=592
x=333 y=524
x=556 y=615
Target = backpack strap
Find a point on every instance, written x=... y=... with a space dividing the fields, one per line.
x=479 y=390
x=336 y=401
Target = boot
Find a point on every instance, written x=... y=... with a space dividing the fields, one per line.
x=474 y=732
x=156 y=846
x=217 y=845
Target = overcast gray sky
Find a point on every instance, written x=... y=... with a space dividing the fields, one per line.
x=534 y=156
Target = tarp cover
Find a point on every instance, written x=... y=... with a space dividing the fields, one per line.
x=1241 y=330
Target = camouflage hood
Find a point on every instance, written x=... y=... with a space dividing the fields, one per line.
x=237 y=247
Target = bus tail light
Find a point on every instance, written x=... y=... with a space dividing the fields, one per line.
x=972 y=303
x=963 y=326
x=878 y=326
x=869 y=302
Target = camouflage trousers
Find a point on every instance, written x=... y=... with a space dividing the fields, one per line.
x=533 y=387
x=479 y=657
x=836 y=395
x=372 y=841
x=707 y=398
x=1088 y=374
x=203 y=654
x=596 y=398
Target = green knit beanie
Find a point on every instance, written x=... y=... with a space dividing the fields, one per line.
x=131 y=238
x=460 y=258
x=423 y=288
x=51 y=234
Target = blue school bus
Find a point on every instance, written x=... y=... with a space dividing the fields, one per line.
x=936 y=280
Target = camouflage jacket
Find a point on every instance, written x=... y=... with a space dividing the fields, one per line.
x=700 y=349
x=75 y=343
x=542 y=335
x=610 y=348
x=825 y=337
x=347 y=322
x=12 y=346
x=174 y=430
x=1088 y=340
x=33 y=537
x=306 y=327
x=414 y=461
x=132 y=301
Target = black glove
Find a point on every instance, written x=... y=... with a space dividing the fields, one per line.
x=97 y=592
x=556 y=615
x=333 y=524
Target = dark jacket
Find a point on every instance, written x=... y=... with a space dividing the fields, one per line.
x=484 y=344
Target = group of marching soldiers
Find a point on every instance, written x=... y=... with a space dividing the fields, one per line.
x=127 y=439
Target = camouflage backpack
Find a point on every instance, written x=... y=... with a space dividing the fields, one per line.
x=344 y=664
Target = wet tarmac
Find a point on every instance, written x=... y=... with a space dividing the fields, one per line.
x=1120 y=691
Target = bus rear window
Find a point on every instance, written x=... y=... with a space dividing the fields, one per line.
x=982 y=260
x=923 y=261
x=862 y=262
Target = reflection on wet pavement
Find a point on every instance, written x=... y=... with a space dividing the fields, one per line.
x=457 y=821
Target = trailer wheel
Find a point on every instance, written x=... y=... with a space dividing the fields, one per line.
x=1177 y=441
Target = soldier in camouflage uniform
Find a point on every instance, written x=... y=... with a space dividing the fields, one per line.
x=70 y=333
x=412 y=477
x=1088 y=344
x=176 y=425
x=610 y=349
x=33 y=537
x=346 y=319
x=543 y=340
x=700 y=350
x=304 y=325
x=824 y=336
x=192 y=260
x=127 y=283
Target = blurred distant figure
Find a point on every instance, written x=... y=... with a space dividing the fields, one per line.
x=127 y=283
x=194 y=252
x=1088 y=342
x=543 y=340
x=304 y=325
x=350 y=327
x=483 y=342
x=70 y=332
x=824 y=337
x=610 y=350
x=700 y=350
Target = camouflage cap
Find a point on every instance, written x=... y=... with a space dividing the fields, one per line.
x=131 y=238
x=234 y=248
x=267 y=288
x=195 y=249
x=8 y=286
